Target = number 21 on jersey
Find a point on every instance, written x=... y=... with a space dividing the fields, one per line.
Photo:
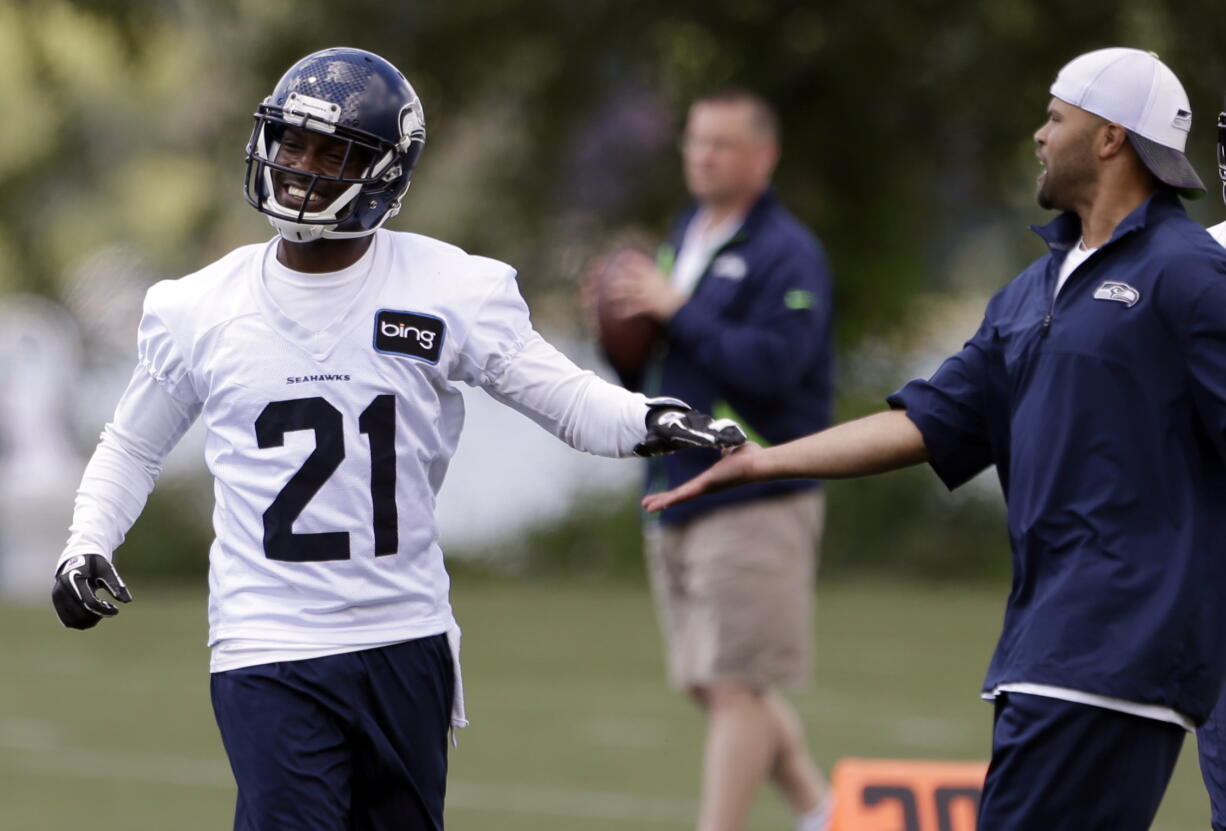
x=378 y=423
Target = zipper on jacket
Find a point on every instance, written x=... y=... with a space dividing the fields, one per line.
x=1051 y=309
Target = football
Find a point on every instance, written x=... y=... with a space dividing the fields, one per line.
x=627 y=342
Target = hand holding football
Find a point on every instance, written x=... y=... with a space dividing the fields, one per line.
x=631 y=297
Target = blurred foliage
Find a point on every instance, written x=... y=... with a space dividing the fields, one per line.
x=907 y=124
x=900 y=525
x=171 y=538
x=905 y=524
x=907 y=145
x=598 y=538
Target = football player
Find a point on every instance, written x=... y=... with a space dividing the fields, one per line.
x=324 y=364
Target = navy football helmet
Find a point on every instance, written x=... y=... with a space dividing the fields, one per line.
x=355 y=97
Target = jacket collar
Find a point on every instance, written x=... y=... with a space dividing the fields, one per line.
x=753 y=219
x=1063 y=232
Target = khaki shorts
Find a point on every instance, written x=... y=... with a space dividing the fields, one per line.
x=734 y=590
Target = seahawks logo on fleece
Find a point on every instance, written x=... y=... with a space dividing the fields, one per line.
x=730 y=267
x=417 y=335
x=1119 y=292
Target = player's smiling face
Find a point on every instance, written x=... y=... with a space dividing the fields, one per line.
x=314 y=153
x=1064 y=146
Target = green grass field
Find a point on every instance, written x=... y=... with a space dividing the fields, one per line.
x=573 y=727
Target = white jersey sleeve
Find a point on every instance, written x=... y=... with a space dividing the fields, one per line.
x=1218 y=232
x=513 y=363
x=152 y=415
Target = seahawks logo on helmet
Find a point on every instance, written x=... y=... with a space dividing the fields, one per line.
x=359 y=99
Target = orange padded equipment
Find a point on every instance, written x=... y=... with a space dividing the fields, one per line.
x=906 y=795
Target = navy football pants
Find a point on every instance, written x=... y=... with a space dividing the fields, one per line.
x=352 y=742
x=1060 y=766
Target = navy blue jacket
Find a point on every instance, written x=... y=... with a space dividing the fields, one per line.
x=753 y=342
x=1105 y=415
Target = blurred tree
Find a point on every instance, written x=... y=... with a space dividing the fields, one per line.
x=907 y=124
x=907 y=128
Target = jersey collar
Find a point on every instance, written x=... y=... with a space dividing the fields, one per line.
x=320 y=344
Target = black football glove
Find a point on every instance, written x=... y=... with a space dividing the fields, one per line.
x=73 y=594
x=673 y=424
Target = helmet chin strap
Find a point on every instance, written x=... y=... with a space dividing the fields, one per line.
x=303 y=231
x=300 y=232
x=294 y=231
x=297 y=232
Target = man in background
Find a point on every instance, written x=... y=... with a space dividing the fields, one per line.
x=1096 y=385
x=742 y=295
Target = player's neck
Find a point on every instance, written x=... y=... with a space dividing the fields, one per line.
x=322 y=255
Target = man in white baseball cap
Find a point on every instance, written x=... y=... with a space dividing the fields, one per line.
x=1096 y=385
x=1134 y=89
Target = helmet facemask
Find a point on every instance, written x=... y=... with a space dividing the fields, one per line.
x=354 y=90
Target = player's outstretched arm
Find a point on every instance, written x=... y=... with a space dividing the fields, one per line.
x=873 y=444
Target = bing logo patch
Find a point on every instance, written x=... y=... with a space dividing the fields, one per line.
x=419 y=336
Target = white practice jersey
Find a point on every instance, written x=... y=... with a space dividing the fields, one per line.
x=1219 y=233
x=328 y=447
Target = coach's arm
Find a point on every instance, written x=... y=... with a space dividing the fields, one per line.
x=873 y=444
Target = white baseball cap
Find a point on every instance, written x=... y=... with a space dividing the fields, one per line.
x=1134 y=89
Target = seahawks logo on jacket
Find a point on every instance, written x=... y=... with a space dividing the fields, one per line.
x=1119 y=292
x=730 y=267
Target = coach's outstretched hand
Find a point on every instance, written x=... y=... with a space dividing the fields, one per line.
x=736 y=468
x=673 y=425
x=74 y=593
